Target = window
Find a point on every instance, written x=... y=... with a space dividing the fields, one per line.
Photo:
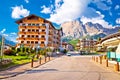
x=23 y=30
x=22 y=41
x=28 y=42
x=37 y=30
x=29 y=30
x=33 y=30
x=43 y=24
x=29 y=24
x=23 y=24
x=43 y=30
x=22 y=35
x=37 y=24
x=32 y=42
x=42 y=36
x=36 y=36
x=42 y=42
x=33 y=24
x=28 y=36
x=36 y=42
x=32 y=36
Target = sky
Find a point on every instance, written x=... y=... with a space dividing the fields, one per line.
x=104 y=12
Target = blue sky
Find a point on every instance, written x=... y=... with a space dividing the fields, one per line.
x=104 y=12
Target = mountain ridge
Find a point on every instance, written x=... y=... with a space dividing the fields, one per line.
x=76 y=29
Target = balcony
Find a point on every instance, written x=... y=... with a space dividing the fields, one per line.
x=35 y=33
x=32 y=39
x=32 y=27
x=49 y=45
x=50 y=33
x=20 y=38
x=22 y=27
x=42 y=27
x=42 y=39
x=50 y=39
x=42 y=45
x=21 y=33
x=42 y=32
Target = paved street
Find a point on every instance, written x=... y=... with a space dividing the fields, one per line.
x=69 y=68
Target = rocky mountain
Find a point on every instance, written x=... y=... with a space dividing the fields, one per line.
x=76 y=29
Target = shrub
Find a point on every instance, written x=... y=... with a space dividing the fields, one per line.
x=10 y=52
x=22 y=53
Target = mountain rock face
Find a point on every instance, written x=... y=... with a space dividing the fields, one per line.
x=76 y=29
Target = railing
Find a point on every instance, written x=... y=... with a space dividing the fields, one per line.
x=32 y=39
x=20 y=38
x=21 y=32
x=42 y=32
x=32 y=33
x=42 y=27
x=42 y=39
x=22 y=27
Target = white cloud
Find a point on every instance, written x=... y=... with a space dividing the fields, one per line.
x=117 y=7
x=57 y=3
x=19 y=11
x=99 y=20
x=118 y=20
x=13 y=33
x=46 y=10
x=101 y=5
x=2 y=31
x=27 y=1
x=68 y=10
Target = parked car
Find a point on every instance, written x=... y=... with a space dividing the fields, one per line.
x=68 y=54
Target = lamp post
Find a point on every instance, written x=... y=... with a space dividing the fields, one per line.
x=2 y=48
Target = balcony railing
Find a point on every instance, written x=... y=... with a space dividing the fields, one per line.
x=42 y=45
x=42 y=39
x=21 y=32
x=32 y=33
x=49 y=45
x=22 y=27
x=42 y=32
x=42 y=27
x=20 y=38
x=31 y=39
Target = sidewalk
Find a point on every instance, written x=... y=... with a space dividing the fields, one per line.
x=111 y=64
x=22 y=68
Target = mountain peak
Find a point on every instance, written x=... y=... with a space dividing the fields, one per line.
x=77 y=29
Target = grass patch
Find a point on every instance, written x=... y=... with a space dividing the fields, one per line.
x=16 y=60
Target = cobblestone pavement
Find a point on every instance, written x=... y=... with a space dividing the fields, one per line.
x=69 y=68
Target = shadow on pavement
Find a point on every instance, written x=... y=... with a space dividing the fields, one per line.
x=37 y=71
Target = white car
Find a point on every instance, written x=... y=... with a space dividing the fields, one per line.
x=68 y=54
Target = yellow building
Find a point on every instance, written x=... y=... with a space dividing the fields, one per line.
x=86 y=44
x=36 y=31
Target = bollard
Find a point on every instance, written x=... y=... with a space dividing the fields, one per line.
x=106 y=62
x=40 y=60
x=49 y=58
x=92 y=58
x=32 y=62
x=100 y=59
x=96 y=59
x=45 y=58
x=116 y=66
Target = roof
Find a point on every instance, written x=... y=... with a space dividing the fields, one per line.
x=117 y=34
x=19 y=21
